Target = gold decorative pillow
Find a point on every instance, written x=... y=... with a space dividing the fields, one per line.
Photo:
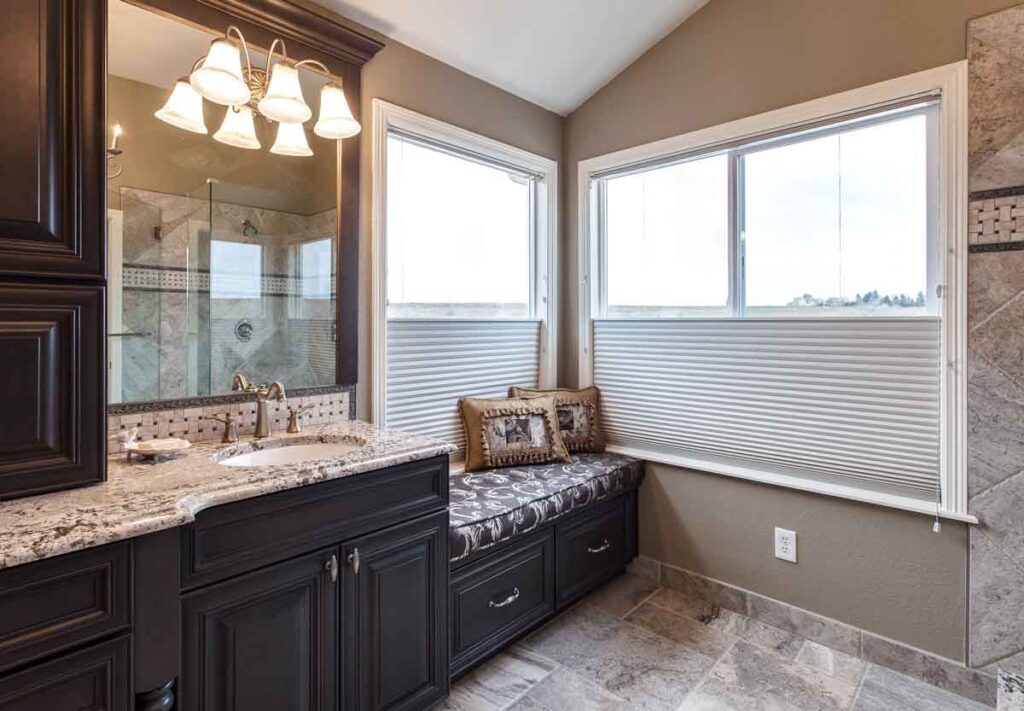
x=504 y=433
x=579 y=415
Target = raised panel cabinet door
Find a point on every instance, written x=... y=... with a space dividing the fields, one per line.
x=93 y=679
x=52 y=196
x=52 y=423
x=266 y=641
x=395 y=627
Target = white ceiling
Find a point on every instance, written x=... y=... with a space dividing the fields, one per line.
x=555 y=53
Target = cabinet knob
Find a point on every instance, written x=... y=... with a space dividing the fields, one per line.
x=605 y=545
x=332 y=567
x=353 y=560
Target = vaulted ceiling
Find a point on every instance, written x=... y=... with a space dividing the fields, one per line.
x=555 y=53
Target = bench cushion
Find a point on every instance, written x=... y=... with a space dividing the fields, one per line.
x=494 y=505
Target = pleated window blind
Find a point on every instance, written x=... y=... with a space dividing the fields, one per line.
x=773 y=306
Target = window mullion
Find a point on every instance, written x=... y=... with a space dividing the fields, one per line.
x=736 y=305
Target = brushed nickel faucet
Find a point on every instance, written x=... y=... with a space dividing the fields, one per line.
x=263 y=394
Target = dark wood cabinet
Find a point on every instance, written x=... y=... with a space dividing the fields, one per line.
x=93 y=679
x=51 y=375
x=395 y=626
x=52 y=198
x=266 y=641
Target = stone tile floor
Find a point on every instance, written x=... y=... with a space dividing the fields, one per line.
x=635 y=645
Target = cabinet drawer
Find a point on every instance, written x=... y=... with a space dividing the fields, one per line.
x=500 y=596
x=93 y=678
x=235 y=538
x=591 y=548
x=53 y=604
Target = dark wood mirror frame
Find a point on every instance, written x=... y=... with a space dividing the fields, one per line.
x=53 y=221
x=344 y=52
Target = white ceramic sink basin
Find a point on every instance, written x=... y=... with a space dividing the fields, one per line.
x=291 y=454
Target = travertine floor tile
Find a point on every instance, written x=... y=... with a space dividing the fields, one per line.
x=622 y=594
x=886 y=690
x=683 y=630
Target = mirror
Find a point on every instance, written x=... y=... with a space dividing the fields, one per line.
x=222 y=245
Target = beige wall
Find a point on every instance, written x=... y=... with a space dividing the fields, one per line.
x=872 y=567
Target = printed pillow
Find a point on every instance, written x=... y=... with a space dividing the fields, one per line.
x=504 y=433
x=579 y=415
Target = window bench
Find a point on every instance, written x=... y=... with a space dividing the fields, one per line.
x=528 y=541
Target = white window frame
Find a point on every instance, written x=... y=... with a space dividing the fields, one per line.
x=544 y=254
x=949 y=82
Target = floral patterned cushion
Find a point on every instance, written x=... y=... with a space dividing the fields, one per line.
x=491 y=506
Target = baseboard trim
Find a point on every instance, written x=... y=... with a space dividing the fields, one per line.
x=939 y=671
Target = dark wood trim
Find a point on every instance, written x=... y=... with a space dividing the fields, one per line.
x=305 y=26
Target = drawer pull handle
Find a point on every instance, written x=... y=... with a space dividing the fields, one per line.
x=507 y=601
x=353 y=560
x=605 y=545
x=332 y=568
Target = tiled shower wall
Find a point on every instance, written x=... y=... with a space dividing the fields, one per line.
x=180 y=343
x=996 y=345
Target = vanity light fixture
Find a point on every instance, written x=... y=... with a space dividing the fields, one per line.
x=114 y=166
x=275 y=93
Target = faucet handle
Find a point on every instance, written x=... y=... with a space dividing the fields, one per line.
x=230 y=427
x=293 y=418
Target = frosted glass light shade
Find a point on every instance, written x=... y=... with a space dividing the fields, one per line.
x=184 y=108
x=219 y=77
x=238 y=129
x=284 y=102
x=335 y=120
x=291 y=140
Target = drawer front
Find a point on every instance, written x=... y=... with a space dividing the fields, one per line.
x=93 y=678
x=591 y=548
x=235 y=538
x=53 y=604
x=500 y=596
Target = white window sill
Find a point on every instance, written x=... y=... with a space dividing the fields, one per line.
x=697 y=463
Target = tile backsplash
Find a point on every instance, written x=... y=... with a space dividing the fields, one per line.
x=191 y=423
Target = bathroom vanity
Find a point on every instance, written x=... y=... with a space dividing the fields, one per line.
x=305 y=585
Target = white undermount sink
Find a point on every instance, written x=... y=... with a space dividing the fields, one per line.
x=291 y=454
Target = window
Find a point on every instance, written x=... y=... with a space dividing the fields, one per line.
x=464 y=231
x=316 y=268
x=236 y=270
x=770 y=298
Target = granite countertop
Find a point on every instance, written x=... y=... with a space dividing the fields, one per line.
x=141 y=497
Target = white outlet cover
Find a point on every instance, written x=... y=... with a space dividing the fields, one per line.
x=785 y=544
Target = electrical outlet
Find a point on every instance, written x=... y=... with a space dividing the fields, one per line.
x=785 y=544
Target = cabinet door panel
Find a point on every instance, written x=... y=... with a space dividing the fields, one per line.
x=396 y=650
x=264 y=641
x=51 y=375
x=94 y=678
x=52 y=156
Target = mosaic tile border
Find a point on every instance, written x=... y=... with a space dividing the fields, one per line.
x=145 y=277
x=996 y=220
x=935 y=670
x=127 y=408
x=186 y=418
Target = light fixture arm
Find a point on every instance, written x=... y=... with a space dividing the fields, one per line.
x=245 y=45
x=270 y=54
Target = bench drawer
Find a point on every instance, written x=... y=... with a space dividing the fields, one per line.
x=592 y=547
x=56 y=603
x=235 y=538
x=501 y=596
